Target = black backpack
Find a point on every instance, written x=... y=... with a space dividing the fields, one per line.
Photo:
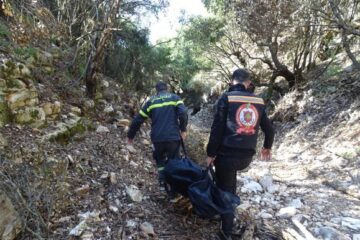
x=181 y=172
x=190 y=180
x=208 y=200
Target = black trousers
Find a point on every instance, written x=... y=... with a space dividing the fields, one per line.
x=163 y=151
x=225 y=169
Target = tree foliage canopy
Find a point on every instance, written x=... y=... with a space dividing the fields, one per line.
x=274 y=38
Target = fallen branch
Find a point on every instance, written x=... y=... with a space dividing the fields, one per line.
x=303 y=230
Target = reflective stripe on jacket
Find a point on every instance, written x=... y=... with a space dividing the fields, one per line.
x=168 y=116
x=235 y=128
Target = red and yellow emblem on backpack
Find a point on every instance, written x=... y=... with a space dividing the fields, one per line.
x=246 y=118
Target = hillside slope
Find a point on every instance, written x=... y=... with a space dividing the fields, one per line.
x=314 y=176
x=66 y=171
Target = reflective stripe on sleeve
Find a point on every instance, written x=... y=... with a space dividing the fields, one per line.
x=159 y=105
x=142 y=113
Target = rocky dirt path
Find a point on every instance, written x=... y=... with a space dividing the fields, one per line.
x=93 y=186
x=311 y=188
x=285 y=191
x=109 y=190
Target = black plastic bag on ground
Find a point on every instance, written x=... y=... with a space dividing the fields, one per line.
x=208 y=200
x=181 y=173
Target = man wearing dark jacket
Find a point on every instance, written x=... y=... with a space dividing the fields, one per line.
x=169 y=120
x=233 y=137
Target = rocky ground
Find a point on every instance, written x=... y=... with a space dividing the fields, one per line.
x=66 y=171
x=80 y=180
x=311 y=188
x=107 y=189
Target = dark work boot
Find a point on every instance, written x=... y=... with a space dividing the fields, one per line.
x=170 y=193
x=162 y=186
x=161 y=177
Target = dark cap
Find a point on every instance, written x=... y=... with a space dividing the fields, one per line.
x=160 y=86
x=240 y=75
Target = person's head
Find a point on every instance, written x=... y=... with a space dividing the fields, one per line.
x=160 y=86
x=241 y=76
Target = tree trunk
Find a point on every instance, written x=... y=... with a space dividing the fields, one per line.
x=90 y=80
x=281 y=69
x=271 y=87
x=347 y=48
x=97 y=58
x=95 y=64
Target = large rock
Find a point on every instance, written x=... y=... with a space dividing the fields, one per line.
x=296 y=203
x=10 y=223
x=108 y=109
x=65 y=130
x=281 y=85
x=352 y=223
x=89 y=104
x=251 y=186
x=147 y=228
x=328 y=233
x=123 y=122
x=102 y=129
x=52 y=110
x=76 y=110
x=20 y=98
x=86 y=220
x=134 y=193
x=131 y=148
x=13 y=70
x=45 y=58
x=5 y=114
x=286 y=212
x=105 y=84
x=266 y=182
x=34 y=116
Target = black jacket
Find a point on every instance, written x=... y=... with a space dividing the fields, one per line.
x=168 y=116
x=235 y=128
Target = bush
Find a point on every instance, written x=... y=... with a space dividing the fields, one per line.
x=4 y=32
x=333 y=70
x=26 y=52
x=34 y=183
x=198 y=89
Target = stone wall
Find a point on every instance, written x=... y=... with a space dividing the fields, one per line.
x=19 y=100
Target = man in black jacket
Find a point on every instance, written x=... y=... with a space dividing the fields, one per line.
x=169 y=120
x=233 y=137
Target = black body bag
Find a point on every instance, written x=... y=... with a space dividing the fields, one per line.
x=181 y=173
x=208 y=200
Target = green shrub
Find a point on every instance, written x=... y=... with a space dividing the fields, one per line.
x=333 y=70
x=26 y=52
x=4 y=32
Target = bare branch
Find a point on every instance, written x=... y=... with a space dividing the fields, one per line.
x=340 y=20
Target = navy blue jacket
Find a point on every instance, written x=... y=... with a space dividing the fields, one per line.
x=168 y=116
x=235 y=128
